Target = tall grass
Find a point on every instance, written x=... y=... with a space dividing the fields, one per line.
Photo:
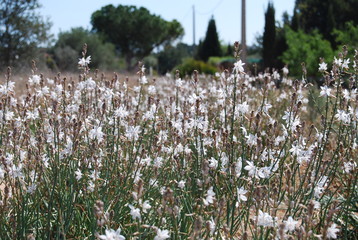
x=230 y=157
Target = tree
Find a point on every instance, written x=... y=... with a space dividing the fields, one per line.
x=211 y=45
x=324 y=16
x=347 y=37
x=134 y=31
x=307 y=48
x=69 y=46
x=22 y=30
x=229 y=50
x=172 y=56
x=269 y=37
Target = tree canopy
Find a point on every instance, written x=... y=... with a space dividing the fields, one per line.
x=134 y=31
x=22 y=30
x=317 y=29
x=211 y=45
x=324 y=16
x=307 y=48
x=70 y=44
x=269 y=37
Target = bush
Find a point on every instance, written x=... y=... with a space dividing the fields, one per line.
x=348 y=37
x=189 y=65
x=307 y=48
x=172 y=56
x=69 y=46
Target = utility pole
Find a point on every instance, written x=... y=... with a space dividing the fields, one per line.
x=243 y=30
x=193 y=25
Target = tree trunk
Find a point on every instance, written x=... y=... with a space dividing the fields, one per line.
x=129 y=62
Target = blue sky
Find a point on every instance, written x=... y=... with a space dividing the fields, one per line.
x=66 y=14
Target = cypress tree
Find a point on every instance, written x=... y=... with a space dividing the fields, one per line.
x=211 y=45
x=269 y=37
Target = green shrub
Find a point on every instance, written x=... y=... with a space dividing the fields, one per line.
x=69 y=46
x=189 y=65
x=307 y=48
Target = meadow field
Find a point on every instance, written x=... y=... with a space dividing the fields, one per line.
x=229 y=156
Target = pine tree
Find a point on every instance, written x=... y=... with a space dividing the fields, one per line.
x=211 y=45
x=269 y=37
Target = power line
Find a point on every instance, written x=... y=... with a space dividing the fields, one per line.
x=210 y=12
x=186 y=14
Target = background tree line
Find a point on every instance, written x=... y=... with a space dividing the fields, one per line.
x=315 y=29
x=122 y=35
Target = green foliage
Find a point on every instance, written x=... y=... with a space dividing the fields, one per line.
x=189 y=65
x=229 y=50
x=325 y=20
x=65 y=58
x=134 y=31
x=324 y=16
x=273 y=40
x=211 y=45
x=22 y=31
x=349 y=37
x=151 y=63
x=269 y=37
x=307 y=48
x=68 y=48
x=222 y=62
x=280 y=46
x=172 y=56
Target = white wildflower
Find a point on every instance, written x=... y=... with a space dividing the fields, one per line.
x=31 y=189
x=179 y=83
x=349 y=166
x=152 y=90
x=345 y=63
x=242 y=108
x=322 y=67
x=238 y=66
x=290 y=224
x=251 y=140
x=78 y=174
x=210 y=195
x=337 y=62
x=132 y=133
x=111 y=234
x=121 y=112
x=265 y=219
x=34 y=80
x=162 y=234
x=241 y=194
x=332 y=231
x=181 y=184
x=238 y=167
x=296 y=150
x=2 y=173
x=213 y=163
x=84 y=61
x=146 y=206
x=143 y=80
x=285 y=70
x=343 y=116
x=250 y=167
x=135 y=212
x=276 y=75
x=325 y=91
x=96 y=132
